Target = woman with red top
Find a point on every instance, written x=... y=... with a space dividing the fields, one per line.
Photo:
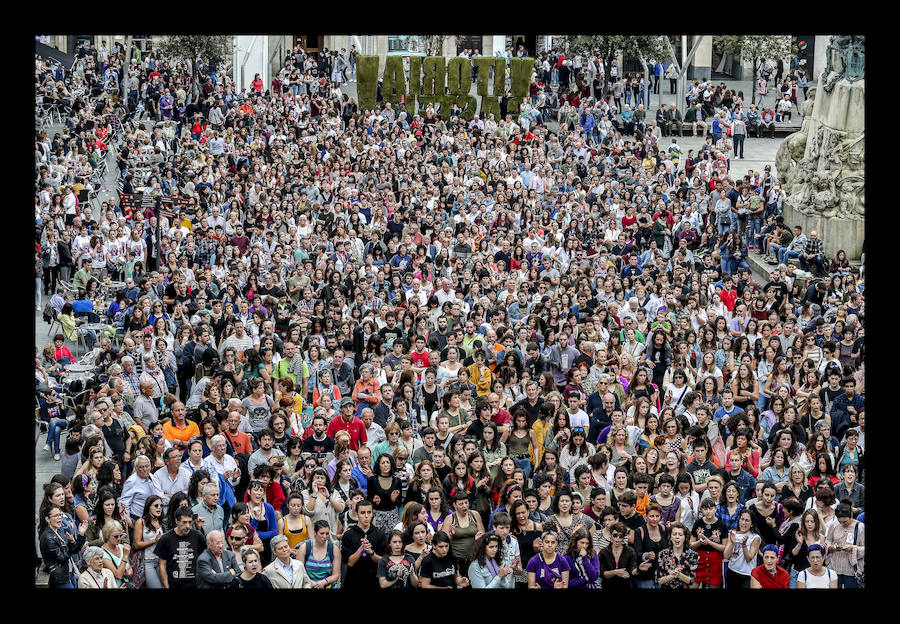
x=822 y=470
x=257 y=83
x=770 y=575
x=742 y=438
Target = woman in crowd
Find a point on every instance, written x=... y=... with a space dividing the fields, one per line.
x=96 y=576
x=740 y=552
x=148 y=529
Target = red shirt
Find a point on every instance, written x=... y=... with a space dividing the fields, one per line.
x=420 y=359
x=728 y=298
x=780 y=580
x=355 y=428
x=502 y=417
x=274 y=496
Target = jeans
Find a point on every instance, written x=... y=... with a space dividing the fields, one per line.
x=151 y=574
x=754 y=227
x=738 y=142
x=785 y=254
x=794 y=574
x=847 y=581
x=816 y=266
x=644 y=583
x=90 y=337
x=37 y=291
x=54 y=431
x=774 y=248
x=628 y=97
x=525 y=465
x=723 y=226
x=71 y=584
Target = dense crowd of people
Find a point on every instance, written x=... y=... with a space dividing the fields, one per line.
x=381 y=349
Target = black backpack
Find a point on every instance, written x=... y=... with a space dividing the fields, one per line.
x=187 y=355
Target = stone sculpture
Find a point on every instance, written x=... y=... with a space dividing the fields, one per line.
x=822 y=167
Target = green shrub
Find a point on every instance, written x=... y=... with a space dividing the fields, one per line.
x=520 y=74
x=394 y=86
x=433 y=76
x=459 y=76
x=490 y=104
x=484 y=64
x=367 y=87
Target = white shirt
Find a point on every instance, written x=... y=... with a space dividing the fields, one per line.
x=578 y=419
x=226 y=465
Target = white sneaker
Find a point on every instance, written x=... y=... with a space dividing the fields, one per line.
x=56 y=457
x=46 y=447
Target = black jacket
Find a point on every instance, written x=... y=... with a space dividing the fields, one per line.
x=55 y=551
x=65 y=254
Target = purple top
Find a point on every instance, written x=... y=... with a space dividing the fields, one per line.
x=590 y=566
x=545 y=574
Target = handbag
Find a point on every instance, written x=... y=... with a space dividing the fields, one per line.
x=860 y=576
x=138 y=569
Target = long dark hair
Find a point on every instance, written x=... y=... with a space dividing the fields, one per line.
x=478 y=551
x=104 y=494
x=146 y=515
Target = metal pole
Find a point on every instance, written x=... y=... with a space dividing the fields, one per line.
x=682 y=77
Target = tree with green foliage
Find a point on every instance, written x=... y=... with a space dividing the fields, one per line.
x=209 y=48
x=608 y=47
x=756 y=48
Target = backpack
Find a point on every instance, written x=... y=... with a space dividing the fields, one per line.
x=48 y=314
x=187 y=355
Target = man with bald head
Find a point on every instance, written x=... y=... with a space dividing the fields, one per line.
x=813 y=255
x=145 y=410
x=179 y=431
x=239 y=439
x=216 y=567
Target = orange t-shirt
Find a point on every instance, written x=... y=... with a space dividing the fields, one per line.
x=184 y=434
x=240 y=441
x=641 y=505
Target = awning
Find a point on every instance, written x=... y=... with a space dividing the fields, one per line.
x=67 y=60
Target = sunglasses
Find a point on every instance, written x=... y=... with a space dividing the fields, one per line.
x=618 y=535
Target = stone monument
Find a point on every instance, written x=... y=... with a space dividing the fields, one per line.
x=822 y=167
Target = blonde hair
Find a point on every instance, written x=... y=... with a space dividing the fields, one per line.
x=111 y=526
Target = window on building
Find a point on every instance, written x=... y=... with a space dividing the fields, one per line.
x=404 y=44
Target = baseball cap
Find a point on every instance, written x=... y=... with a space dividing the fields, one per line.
x=346 y=401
